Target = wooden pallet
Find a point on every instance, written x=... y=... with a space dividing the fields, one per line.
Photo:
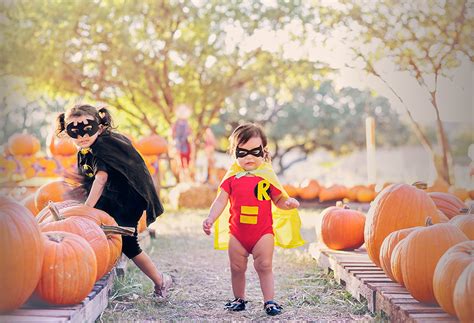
x=86 y=311
x=364 y=280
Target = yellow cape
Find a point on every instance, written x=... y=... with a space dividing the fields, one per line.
x=286 y=223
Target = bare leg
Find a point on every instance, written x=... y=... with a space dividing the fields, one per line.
x=263 y=257
x=238 y=257
x=146 y=265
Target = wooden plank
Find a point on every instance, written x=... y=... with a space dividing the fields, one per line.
x=36 y=319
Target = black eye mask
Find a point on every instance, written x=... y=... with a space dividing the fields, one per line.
x=81 y=129
x=241 y=153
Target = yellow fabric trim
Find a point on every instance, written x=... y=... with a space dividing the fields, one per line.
x=286 y=223
x=248 y=219
x=249 y=209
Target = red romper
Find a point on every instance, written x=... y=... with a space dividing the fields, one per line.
x=250 y=208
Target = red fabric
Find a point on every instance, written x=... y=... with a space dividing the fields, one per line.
x=242 y=193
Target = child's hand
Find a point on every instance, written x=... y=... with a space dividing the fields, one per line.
x=206 y=226
x=292 y=203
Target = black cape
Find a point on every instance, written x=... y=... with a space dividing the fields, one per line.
x=116 y=152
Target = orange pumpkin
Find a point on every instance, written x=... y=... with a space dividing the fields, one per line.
x=335 y=192
x=29 y=203
x=460 y=192
x=152 y=145
x=465 y=222
x=439 y=185
x=464 y=294
x=90 y=231
x=23 y=144
x=422 y=251
x=395 y=262
x=291 y=190
x=398 y=206
x=366 y=195
x=308 y=189
x=447 y=203
x=21 y=254
x=142 y=223
x=53 y=191
x=63 y=146
x=100 y=218
x=342 y=228
x=69 y=269
x=45 y=216
x=388 y=245
x=448 y=270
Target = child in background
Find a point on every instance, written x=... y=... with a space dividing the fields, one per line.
x=250 y=186
x=116 y=180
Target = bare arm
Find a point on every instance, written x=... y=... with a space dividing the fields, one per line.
x=217 y=207
x=97 y=188
x=286 y=203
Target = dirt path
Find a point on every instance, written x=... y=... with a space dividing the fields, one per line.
x=202 y=280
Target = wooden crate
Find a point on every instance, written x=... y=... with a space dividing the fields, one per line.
x=363 y=279
x=87 y=311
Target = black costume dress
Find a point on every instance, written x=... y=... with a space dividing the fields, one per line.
x=129 y=189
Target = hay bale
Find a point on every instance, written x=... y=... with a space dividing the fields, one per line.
x=192 y=195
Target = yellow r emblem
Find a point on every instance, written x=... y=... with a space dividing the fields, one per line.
x=263 y=188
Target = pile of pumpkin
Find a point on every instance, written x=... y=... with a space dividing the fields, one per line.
x=58 y=253
x=311 y=189
x=424 y=241
x=22 y=159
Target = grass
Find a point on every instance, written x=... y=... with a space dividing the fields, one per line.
x=202 y=280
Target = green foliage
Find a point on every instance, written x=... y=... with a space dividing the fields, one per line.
x=316 y=118
x=146 y=57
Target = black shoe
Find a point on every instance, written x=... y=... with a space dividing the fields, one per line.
x=272 y=308
x=238 y=304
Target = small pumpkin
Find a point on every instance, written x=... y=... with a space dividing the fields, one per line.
x=23 y=144
x=309 y=189
x=152 y=145
x=55 y=191
x=69 y=269
x=342 y=228
x=395 y=262
x=448 y=270
x=29 y=203
x=21 y=254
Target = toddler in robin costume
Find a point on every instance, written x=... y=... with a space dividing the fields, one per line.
x=248 y=190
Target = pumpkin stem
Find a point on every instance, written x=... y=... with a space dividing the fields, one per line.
x=115 y=229
x=428 y=221
x=54 y=211
x=56 y=237
x=420 y=185
x=339 y=204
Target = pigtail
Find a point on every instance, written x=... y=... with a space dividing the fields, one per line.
x=60 y=123
x=105 y=118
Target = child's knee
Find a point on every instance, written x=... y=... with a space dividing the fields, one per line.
x=263 y=266
x=238 y=267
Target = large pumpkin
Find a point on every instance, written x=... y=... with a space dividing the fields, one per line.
x=342 y=228
x=69 y=269
x=423 y=249
x=23 y=144
x=388 y=245
x=465 y=222
x=447 y=273
x=464 y=294
x=448 y=203
x=396 y=207
x=90 y=231
x=21 y=254
x=55 y=191
x=29 y=203
x=152 y=145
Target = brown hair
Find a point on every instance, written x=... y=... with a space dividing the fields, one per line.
x=243 y=133
x=102 y=116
